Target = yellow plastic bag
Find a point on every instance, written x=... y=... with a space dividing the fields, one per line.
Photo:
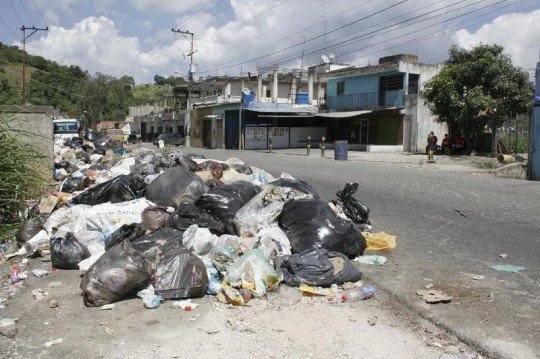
x=378 y=241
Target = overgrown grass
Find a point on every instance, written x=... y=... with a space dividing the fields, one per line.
x=23 y=175
x=519 y=144
x=485 y=163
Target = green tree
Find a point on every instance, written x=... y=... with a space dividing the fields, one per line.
x=171 y=80
x=477 y=89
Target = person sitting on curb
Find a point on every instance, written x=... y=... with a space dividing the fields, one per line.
x=446 y=143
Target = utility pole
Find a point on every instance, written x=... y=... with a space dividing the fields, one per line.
x=187 y=125
x=24 y=37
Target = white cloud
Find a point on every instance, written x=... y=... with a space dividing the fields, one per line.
x=51 y=17
x=517 y=33
x=96 y=44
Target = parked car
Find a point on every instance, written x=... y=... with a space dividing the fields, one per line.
x=170 y=139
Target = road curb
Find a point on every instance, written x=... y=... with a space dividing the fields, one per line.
x=471 y=342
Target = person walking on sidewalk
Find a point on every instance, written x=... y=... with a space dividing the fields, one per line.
x=431 y=146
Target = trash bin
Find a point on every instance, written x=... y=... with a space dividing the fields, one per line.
x=341 y=150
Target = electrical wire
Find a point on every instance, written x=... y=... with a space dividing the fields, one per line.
x=26 y=13
x=16 y=13
x=39 y=12
x=7 y=26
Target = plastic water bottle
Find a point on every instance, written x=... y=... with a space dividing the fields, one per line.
x=357 y=295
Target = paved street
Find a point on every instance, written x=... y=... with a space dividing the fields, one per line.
x=438 y=245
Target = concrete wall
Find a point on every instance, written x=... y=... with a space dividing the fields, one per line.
x=419 y=121
x=35 y=125
x=357 y=84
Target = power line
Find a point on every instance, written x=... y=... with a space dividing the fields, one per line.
x=299 y=31
x=24 y=9
x=39 y=12
x=256 y=15
x=16 y=13
x=191 y=21
x=7 y=27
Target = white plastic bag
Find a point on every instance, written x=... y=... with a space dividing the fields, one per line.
x=199 y=240
x=123 y=167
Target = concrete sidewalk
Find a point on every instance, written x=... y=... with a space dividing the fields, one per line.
x=410 y=160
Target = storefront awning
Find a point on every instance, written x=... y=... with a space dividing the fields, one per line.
x=212 y=117
x=343 y=114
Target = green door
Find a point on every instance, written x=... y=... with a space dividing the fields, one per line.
x=387 y=129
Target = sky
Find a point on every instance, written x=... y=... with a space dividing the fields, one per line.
x=134 y=37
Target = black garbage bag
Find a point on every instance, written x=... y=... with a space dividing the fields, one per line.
x=115 y=190
x=97 y=167
x=74 y=142
x=30 y=228
x=67 y=252
x=311 y=223
x=127 y=231
x=155 y=217
x=189 y=214
x=181 y=274
x=61 y=164
x=214 y=183
x=353 y=209
x=318 y=267
x=223 y=203
x=216 y=168
x=298 y=185
x=187 y=163
x=117 y=273
x=174 y=186
x=72 y=184
x=245 y=169
x=153 y=245
x=100 y=149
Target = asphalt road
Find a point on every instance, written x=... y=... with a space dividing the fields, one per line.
x=436 y=244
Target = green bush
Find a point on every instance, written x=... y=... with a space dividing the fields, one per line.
x=520 y=144
x=23 y=176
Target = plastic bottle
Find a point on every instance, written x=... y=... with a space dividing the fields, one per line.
x=357 y=295
x=14 y=275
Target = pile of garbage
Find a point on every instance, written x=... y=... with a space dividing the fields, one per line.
x=175 y=226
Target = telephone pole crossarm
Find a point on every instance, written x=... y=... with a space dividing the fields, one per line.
x=24 y=38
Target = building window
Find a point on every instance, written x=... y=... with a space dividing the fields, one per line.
x=268 y=93
x=340 y=88
x=160 y=129
x=413 y=84
x=391 y=83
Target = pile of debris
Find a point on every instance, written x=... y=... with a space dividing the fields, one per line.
x=181 y=226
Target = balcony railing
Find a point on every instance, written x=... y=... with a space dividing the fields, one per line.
x=366 y=101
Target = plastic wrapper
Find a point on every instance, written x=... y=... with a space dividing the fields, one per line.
x=241 y=168
x=317 y=267
x=263 y=210
x=295 y=184
x=189 y=214
x=181 y=274
x=353 y=209
x=106 y=217
x=252 y=271
x=228 y=249
x=187 y=163
x=127 y=231
x=174 y=186
x=223 y=203
x=123 y=167
x=155 y=217
x=117 y=273
x=67 y=252
x=311 y=223
x=214 y=284
x=153 y=245
x=119 y=189
x=274 y=242
x=198 y=240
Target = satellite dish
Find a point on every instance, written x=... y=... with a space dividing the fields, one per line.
x=246 y=91
x=325 y=58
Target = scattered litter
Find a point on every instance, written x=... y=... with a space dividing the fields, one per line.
x=55 y=284
x=53 y=303
x=478 y=277
x=39 y=294
x=428 y=286
x=504 y=255
x=150 y=299
x=372 y=321
x=433 y=296
x=186 y=305
x=379 y=241
x=507 y=268
x=461 y=213
x=314 y=290
x=38 y=273
x=53 y=342
x=107 y=307
x=371 y=259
